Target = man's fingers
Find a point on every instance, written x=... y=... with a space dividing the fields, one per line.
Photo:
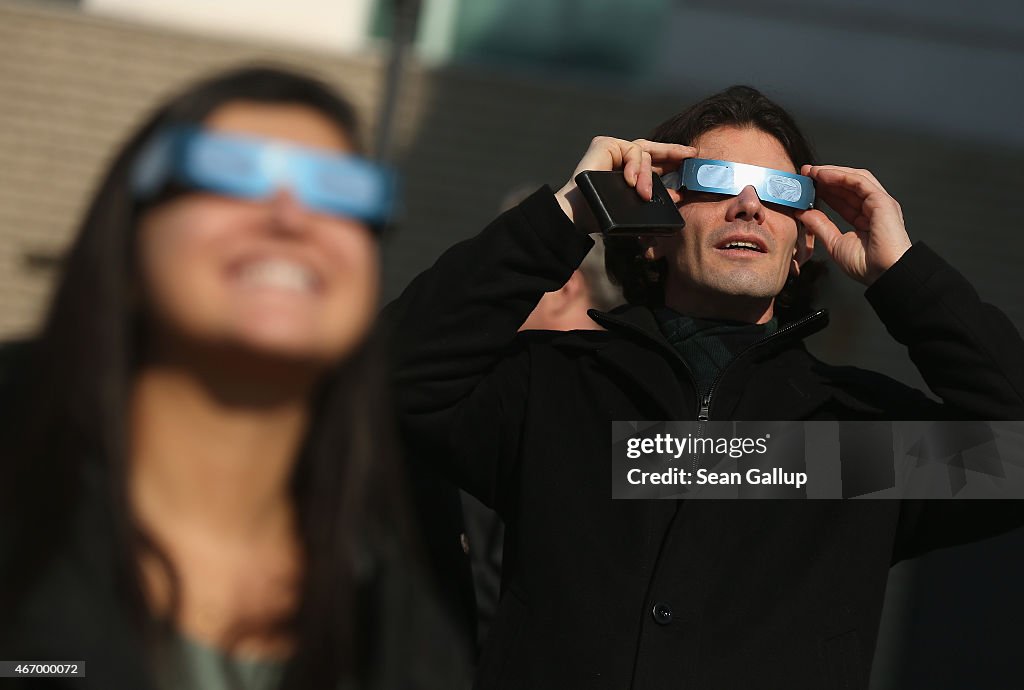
x=644 y=184
x=632 y=161
x=851 y=214
x=806 y=170
x=663 y=169
x=847 y=207
x=833 y=192
x=656 y=158
x=853 y=195
x=848 y=178
x=639 y=162
x=661 y=151
x=859 y=171
x=862 y=195
x=819 y=225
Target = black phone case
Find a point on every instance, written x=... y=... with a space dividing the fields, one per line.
x=621 y=211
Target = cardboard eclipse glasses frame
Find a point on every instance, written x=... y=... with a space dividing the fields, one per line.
x=252 y=168
x=726 y=177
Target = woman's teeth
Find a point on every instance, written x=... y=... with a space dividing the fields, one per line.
x=276 y=273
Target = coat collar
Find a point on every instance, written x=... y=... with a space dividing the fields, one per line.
x=640 y=321
x=667 y=380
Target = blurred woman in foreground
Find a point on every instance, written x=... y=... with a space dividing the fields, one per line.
x=204 y=488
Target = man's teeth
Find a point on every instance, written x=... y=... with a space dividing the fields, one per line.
x=743 y=245
x=279 y=274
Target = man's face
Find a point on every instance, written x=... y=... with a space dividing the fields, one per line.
x=708 y=273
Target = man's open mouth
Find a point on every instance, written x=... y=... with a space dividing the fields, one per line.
x=747 y=244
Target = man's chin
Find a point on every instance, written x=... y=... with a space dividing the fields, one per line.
x=745 y=284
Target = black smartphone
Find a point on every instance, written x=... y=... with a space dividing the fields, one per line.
x=621 y=211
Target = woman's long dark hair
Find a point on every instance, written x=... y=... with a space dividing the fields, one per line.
x=69 y=414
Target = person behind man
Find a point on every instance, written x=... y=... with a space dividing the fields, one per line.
x=565 y=309
x=602 y=593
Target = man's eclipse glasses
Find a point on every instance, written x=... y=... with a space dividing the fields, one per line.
x=255 y=168
x=726 y=177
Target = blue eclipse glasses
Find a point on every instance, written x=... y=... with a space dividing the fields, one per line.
x=254 y=168
x=726 y=177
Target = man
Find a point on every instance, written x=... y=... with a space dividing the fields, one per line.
x=600 y=593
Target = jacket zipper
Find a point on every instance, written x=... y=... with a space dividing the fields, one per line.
x=705 y=408
x=704 y=404
x=703 y=414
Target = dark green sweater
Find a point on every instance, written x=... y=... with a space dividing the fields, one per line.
x=708 y=345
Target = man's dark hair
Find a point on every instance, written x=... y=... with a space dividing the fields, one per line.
x=642 y=281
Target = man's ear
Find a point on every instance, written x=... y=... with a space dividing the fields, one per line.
x=804 y=244
x=803 y=250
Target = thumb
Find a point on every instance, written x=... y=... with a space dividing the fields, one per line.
x=819 y=225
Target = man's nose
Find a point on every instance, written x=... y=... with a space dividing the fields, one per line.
x=286 y=211
x=746 y=206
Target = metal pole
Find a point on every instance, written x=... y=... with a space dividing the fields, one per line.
x=404 y=16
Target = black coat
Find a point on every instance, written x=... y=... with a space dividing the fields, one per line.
x=602 y=593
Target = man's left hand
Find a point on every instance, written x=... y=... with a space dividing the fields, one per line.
x=879 y=237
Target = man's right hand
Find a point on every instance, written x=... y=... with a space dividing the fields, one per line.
x=638 y=159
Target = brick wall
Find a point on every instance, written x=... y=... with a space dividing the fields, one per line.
x=72 y=86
